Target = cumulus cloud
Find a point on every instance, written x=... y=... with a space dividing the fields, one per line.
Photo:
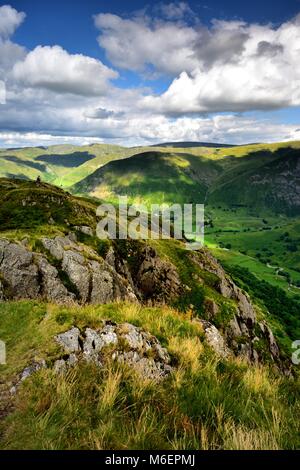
x=133 y=44
x=53 y=96
x=231 y=66
x=10 y=20
x=2 y=92
x=55 y=69
x=102 y=113
x=173 y=10
x=28 y=139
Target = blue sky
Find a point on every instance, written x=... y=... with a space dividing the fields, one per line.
x=141 y=72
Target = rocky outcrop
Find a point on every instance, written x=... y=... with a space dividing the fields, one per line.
x=123 y=343
x=51 y=286
x=27 y=275
x=95 y=280
x=214 y=339
x=85 y=229
x=18 y=271
x=241 y=332
x=67 y=271
x=27 y=372
x=88 y=278
x=156 y=278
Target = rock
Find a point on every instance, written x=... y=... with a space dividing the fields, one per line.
x=84 y=229
x=124 y=343
x=233 y=330
x=18 y=270
x=27 y=372
x=274 y=349
x=69 y=340
x=2 y=296
x=157 y=279
x=225 y=285
x=95 y=280
x=111 y=258
x=57 y=246
x=51 y=286
x=211 y=308
x=74 y=264
x=245 y=308
x=215 y=339
x=72 y=360
x=60 y=366
x=96 y=341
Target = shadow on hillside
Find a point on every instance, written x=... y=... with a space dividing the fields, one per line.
x=21 y=162
x=266 y=154
x=69 y=160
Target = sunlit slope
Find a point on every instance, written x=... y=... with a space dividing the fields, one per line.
x=153 y=177
x=263 y=180
x=62 y=165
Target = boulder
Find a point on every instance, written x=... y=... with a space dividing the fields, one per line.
x=214 y=339
x=124 y=343
x=211 y=308
x=18 y=270
x=69 y=340
x=51 y=286
x=157 y=279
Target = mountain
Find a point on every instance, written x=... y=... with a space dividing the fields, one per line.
x=131 y=343
x=192 y=144
x=153 y=177
x=265 y=179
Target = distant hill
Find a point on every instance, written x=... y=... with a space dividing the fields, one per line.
x=260 y=176
x=252 y=176
x=153 y=177
x=193 y=144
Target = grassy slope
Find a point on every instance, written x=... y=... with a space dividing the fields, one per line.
x=153 y=177
x=207 y=403
x=177 y=176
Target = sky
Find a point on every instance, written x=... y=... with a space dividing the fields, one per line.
x=139 y=73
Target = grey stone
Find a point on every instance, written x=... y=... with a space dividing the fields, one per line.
x=52 y=287
x=74 y=264
x=157 y=279
x=27 y=372
x=18 y=270
x=127 y=343
x=214 y=339
x=69 y=340
x=84 y=229
x=60 y=366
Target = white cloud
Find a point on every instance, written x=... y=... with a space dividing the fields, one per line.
x=28 y=139
x=53 y=96
x=10 y=53
x=2 y=92
x=55 y=69
x=173 y=10
x=133 y=44
x=10 y=20
x=231 y=66
x=102 y=113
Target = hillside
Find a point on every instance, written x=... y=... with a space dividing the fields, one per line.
x=193 y=145
x=244 y=188
x=153 y=177
x=142 y=340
